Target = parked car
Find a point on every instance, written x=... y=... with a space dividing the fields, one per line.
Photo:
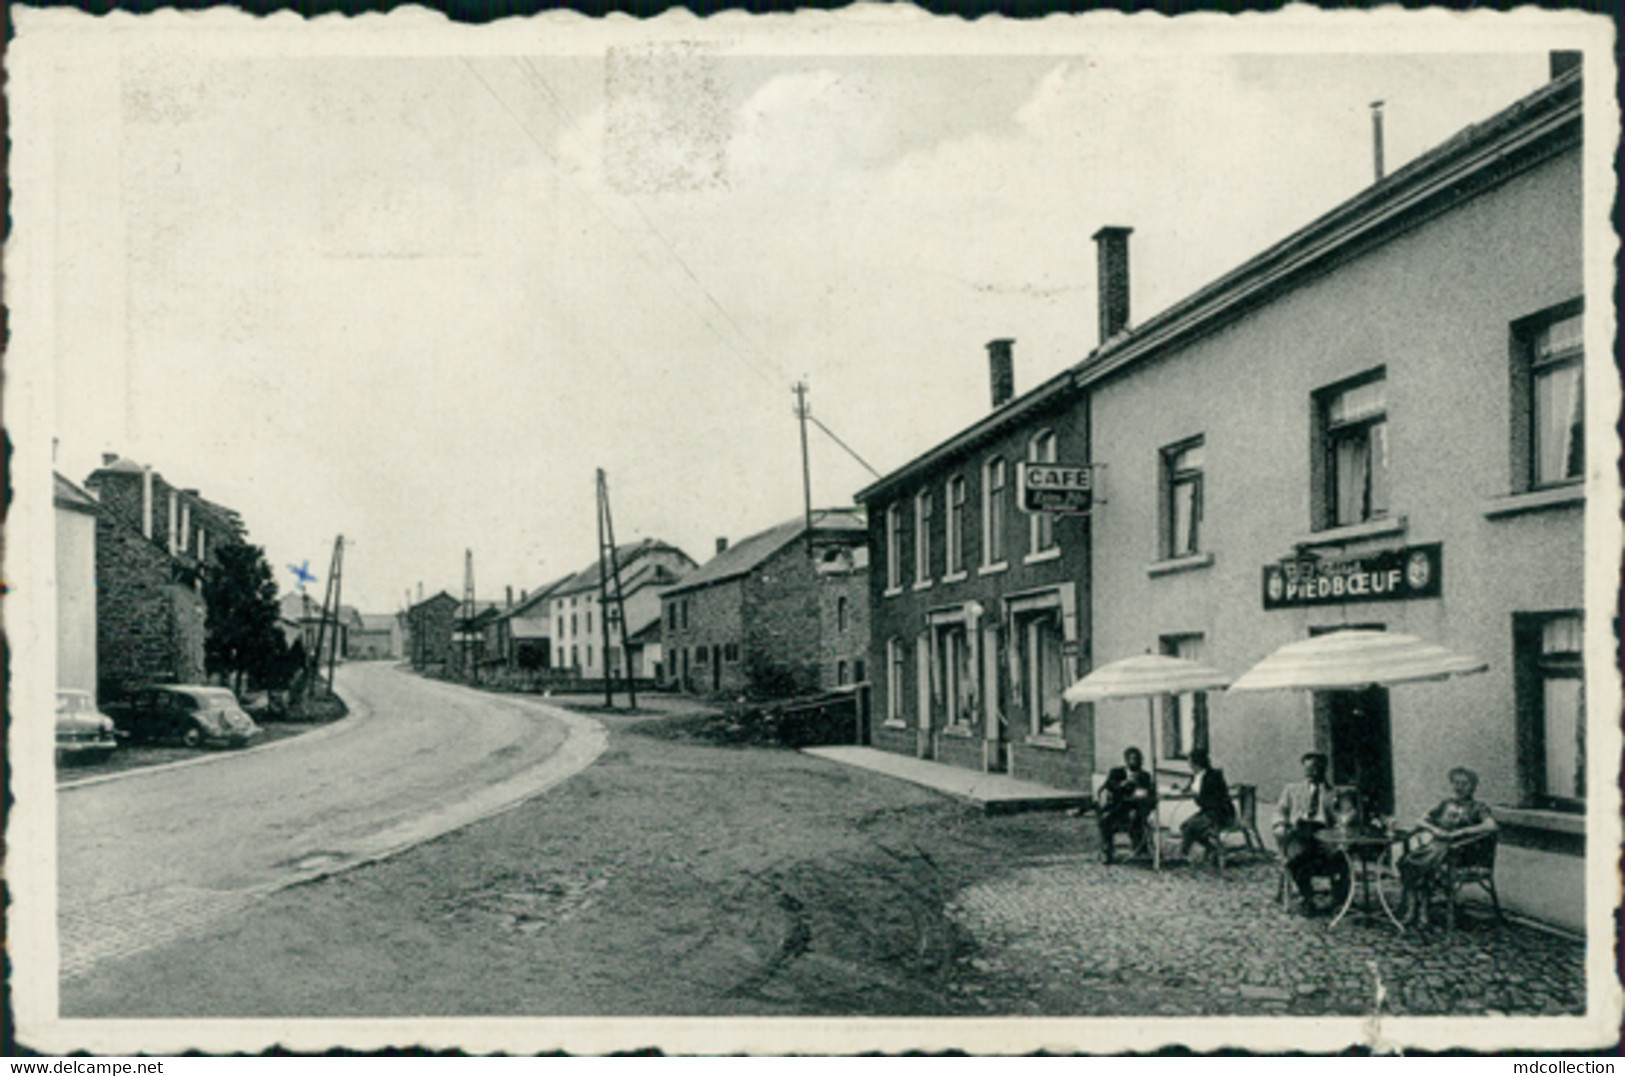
x=82 y=732
x=187 y=714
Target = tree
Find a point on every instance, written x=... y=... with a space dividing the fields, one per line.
x=241 y=633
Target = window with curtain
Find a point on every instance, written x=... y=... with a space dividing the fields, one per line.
x=1557 y=407
x=1041 y=525
x=994 y=498
x=922 y=537
x=896 y=675
x=1182 y=514
x=1184 y=717
x=1041 y=675
x=958 y=518
x=1551 y=705
x=1355 y=464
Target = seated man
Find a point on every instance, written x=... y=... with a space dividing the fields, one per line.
x=1214 y=811
x=1126 y=800
x=1304 y=809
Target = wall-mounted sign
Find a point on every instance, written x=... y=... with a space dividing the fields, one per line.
x=1061 y=488
x=1415 y=571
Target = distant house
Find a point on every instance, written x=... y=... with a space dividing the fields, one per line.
x=523 y=633
x=154 y=543
x=75 y=586
x=431 y=623
x=646 y=568
x=781 y=613
x=375 y=638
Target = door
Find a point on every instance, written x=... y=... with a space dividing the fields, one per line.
x=994 y=699
x=1352 y=727
x=1353 y=730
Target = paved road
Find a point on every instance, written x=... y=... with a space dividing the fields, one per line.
x=157 y=855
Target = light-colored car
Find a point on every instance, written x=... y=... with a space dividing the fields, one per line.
x=191 y=715
x=82 y=732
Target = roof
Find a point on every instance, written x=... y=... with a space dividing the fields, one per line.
x=748 y=554
x=68 y=495
x=587 y=578
x=649 y=633
x=440 y=597
x=535 y=597
x=1484 y=154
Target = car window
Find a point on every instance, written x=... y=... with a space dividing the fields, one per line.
x=72 y=702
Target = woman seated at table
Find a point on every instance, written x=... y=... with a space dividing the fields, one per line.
x=1214 y=811
x=1422 y=867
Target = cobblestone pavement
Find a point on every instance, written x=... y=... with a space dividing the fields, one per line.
x=1085 y=937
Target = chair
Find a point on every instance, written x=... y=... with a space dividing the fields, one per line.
x=1244 y=822
x=1470 y=861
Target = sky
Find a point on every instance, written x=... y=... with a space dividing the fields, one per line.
x=418 y=296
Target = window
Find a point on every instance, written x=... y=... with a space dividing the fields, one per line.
x=894 y=547
x=1182 y=511
x=561 y=627
x=575 y=657
x=1184 y=717
x=958 y=518
x=857 y=670
x=671 y=616
x=896 y=674
x=1040 y=678
x=840 y=613
x=840 y=673
x=1549 y=374
x=589 y=629
x=572 y=623
x=1354 y=457
x=685 y=614
x=922 y=538
x=1041 y=525
x=1551 y=708
x=993 y=502
x=701 y=656
x=954 y=689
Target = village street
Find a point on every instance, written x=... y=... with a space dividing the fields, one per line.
x=678 y=875
x=157 y=854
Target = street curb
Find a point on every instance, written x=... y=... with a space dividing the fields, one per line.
x=358 y=715
x=586 y=739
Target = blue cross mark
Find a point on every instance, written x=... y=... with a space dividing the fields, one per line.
x=303 y=574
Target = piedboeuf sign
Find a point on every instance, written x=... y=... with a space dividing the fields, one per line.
x=1415 y=571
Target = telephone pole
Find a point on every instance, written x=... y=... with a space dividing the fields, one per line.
x=468 y=614
x=609 y=569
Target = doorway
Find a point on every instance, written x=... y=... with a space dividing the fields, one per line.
x=1352 y=728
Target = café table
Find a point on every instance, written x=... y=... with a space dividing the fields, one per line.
x=1368 y=853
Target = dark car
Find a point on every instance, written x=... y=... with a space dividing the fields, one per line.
x=82 y=732
x=187 y=715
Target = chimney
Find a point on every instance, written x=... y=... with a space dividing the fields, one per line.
x=1563 y=61
x=1001 y=370
x=1112 y=259
x=510 y=597
x=722 y=545
x=146 y=502
x=109 y=458
x=1376 y=137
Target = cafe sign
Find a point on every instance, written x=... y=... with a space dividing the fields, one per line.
x=1415 y=571
x=1063 y=488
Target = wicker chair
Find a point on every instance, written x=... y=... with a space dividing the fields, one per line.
x=1470 y=861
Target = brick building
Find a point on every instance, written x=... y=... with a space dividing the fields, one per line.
x=1392 y=393
x=430 y=624
x=780 y=613
x=154 y=542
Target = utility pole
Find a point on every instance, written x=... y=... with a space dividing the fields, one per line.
x=800 y=390
x=468 y=614
x=609 y=569
x=337 y=576
x=329 y=601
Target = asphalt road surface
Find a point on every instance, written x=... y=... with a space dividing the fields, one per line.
x=160 y=854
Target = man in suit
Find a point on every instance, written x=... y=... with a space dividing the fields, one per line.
x=1214 y=811
x=1126 y=800
x=1304 y=809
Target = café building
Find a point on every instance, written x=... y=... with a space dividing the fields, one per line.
x=1378 y=423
